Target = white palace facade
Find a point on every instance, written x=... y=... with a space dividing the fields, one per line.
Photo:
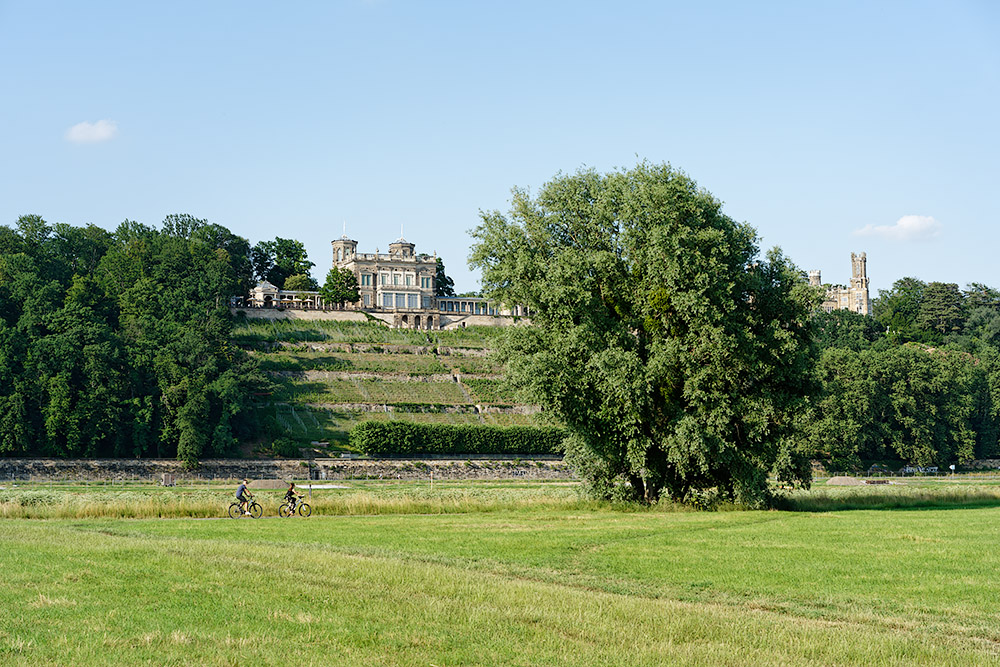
x=397 y=288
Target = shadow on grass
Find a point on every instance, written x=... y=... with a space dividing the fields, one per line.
x=866 y=498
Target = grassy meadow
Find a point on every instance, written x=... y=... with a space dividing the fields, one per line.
x=500 y=573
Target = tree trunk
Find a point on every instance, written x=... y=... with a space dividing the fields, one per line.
x=638 y=486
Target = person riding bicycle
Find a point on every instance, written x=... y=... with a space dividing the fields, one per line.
x=244 y=496
x=291 y=497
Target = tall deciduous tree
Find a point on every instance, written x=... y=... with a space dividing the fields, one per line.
x=341 y=286
x=897 y=309
x=674 y=354
x=276 y=260
x=301 y=283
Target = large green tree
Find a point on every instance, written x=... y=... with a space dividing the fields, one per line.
x=671 y=350
x=941 y=311
x=276 y=260
x=301 y=283
x=897 y=309
x=341 y=286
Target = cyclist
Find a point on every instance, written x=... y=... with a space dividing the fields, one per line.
x=244 y=496
x=292 y=498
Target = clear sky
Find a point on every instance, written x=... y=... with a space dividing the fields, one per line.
x=831 y=127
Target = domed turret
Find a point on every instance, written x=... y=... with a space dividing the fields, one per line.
x=401 y=248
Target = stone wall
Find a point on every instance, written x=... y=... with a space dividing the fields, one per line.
x=265 y=469
x=451 y=320
x=297 y=314
x=443 y=469
x=448 y=320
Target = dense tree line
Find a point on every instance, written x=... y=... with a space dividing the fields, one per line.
x=918 y=383
x=117 y=343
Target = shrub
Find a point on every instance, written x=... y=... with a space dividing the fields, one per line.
x=398 y=438
x=286 y=447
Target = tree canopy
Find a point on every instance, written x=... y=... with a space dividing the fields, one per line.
x=341 y=286
x=117 y=344
x=274 y=261
x=674 y=354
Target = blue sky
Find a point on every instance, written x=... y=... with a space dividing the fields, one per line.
x=831 y=127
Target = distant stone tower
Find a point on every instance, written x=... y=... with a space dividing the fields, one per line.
x=859 y=284
x=843 y=297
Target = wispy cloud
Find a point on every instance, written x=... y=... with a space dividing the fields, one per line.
x=907 y=228
x=92 y=133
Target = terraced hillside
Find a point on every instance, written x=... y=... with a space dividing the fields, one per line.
x=330 y=376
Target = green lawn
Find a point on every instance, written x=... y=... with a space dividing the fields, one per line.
x=374 y=362
x=354 y=362
x=252 y=331
x=370 y=390
x=489 y=391
x=481 y=577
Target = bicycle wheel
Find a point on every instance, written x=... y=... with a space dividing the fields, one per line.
x=255 y=510
x=304 y=509
x=234 y=511
x=283 y=510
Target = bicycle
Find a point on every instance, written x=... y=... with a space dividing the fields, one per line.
x=235 y=511
x=293 y=506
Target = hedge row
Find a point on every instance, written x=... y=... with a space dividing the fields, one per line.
x=398 y=438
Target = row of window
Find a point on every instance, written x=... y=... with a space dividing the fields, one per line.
x=407 y=279
x=474 y=307
x=403 y=300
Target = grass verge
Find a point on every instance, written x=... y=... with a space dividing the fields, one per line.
x=532 y=586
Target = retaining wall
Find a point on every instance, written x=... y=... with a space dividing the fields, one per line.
x=154 y=469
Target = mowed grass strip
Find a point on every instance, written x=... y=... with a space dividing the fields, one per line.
x=249 y=331
x=356 y=362
x=370 y=390
x=531 y=587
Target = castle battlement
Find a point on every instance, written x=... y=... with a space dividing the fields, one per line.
x=853 y=297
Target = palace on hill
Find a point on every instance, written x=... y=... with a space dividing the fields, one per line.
x=853 y=297
x=397 y=287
